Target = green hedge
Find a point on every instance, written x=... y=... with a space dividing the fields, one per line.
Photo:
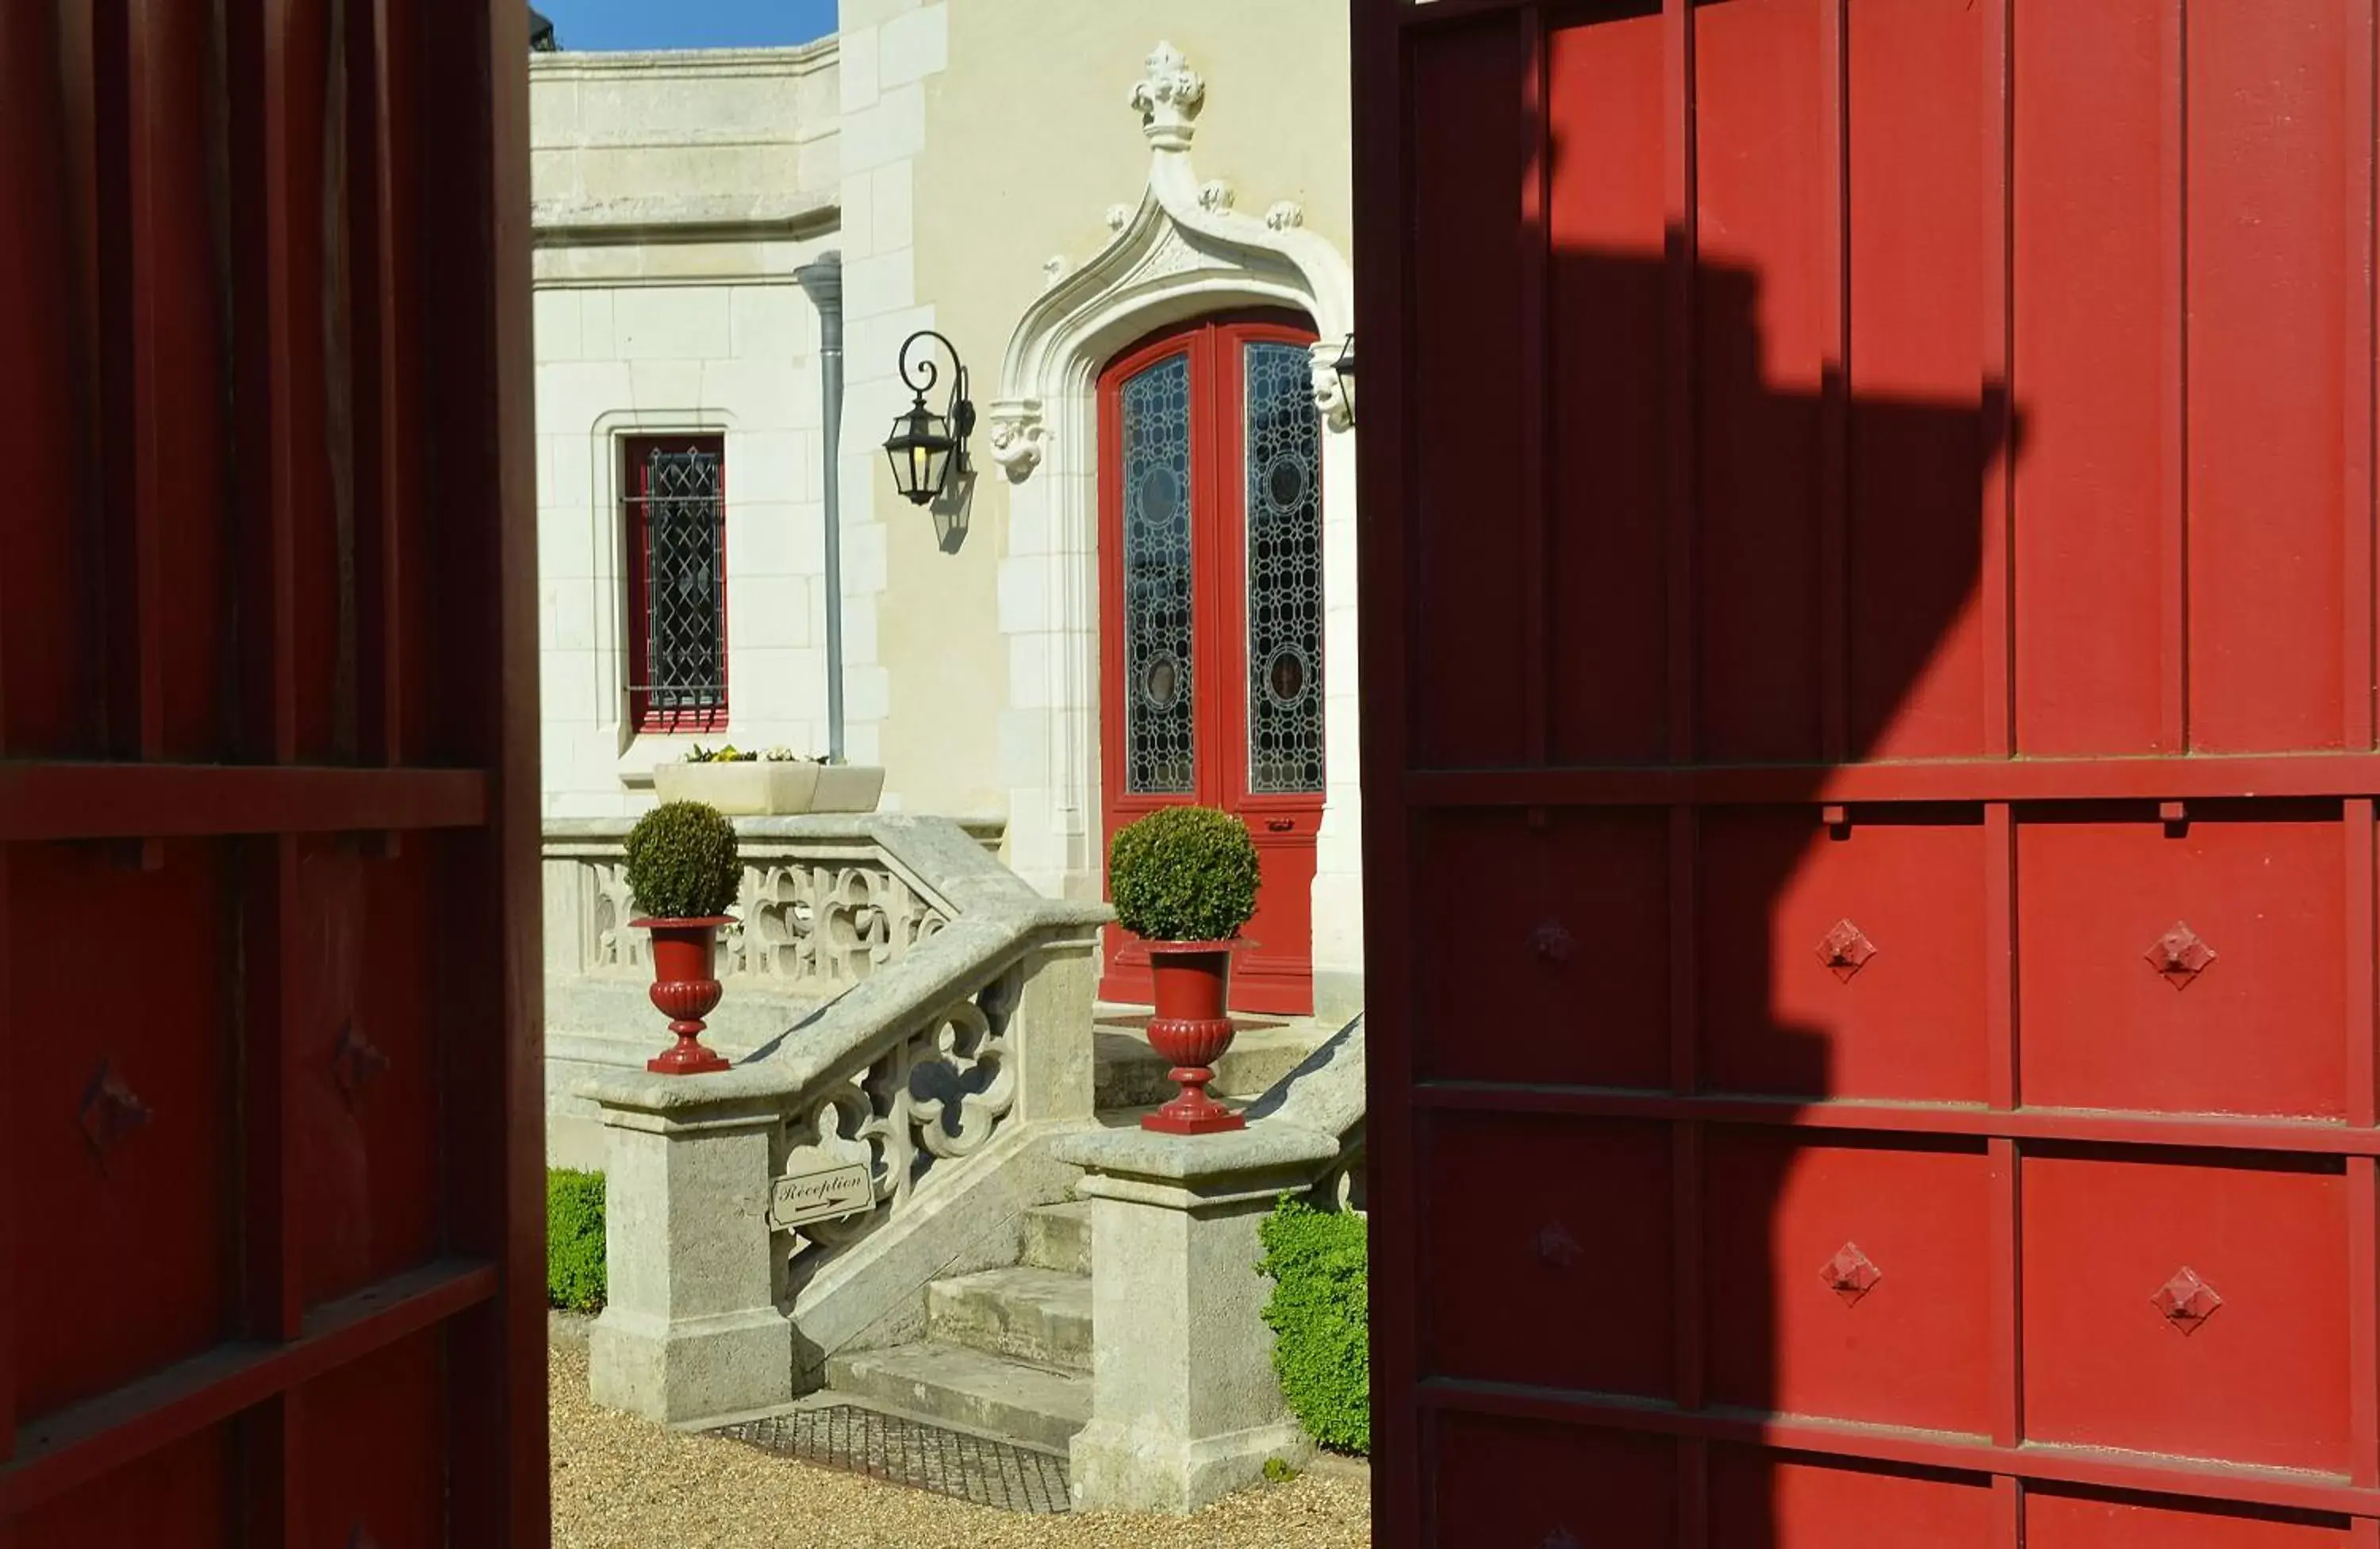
x=574 y=1239
x=1320 y=1311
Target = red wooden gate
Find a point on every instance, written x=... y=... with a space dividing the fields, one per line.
x=269 y=961
x=1868 y=563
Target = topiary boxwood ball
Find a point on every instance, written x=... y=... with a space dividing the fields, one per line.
x=1183 y=874
x=682 y=861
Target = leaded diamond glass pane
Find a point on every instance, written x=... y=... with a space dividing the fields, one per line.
x=1160 y=750
x=1285 y=572
x=686 y=641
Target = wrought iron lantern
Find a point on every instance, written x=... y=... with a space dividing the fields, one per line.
x=1337 y=396
x=928 y=448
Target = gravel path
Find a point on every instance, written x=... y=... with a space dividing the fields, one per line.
x=621 y=1483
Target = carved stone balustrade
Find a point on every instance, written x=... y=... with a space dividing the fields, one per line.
x=820 y=910
x=766 y=1216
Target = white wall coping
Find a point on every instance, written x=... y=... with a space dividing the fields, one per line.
x=799 y=59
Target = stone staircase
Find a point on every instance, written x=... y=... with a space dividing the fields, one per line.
x=1007 y=1352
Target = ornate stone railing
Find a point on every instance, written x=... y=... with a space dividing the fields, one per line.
x=822 y=907
x=765 y=1217
x=819 y=910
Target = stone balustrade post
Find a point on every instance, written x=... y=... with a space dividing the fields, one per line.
x=1052 y=1029
x=1185 y=1408
x=694 y=1328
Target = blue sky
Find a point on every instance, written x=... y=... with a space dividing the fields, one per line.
x=610 y=24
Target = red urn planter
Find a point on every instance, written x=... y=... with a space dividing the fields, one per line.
x=1192 y=1029
x=685 y=990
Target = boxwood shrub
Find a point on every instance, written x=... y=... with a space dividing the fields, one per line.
x=1183 y=874
x=574 y=1239
x=682 y=861
x=1319 y=1313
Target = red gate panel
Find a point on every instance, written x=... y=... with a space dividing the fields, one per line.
x=1869 y=577
x=268 y=844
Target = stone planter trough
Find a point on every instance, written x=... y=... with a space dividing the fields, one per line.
x=760 y=788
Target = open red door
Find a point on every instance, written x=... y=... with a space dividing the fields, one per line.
x=269 y=951
x=1868 y=563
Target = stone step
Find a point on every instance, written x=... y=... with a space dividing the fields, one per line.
x=1129 y=1074
x=1040 y=1316
x=968 y=1390
x=1059 y=1237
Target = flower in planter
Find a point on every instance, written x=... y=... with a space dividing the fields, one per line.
x=1183 y=874
x=729 y=754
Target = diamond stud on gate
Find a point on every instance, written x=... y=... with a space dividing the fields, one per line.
x=1845 y=949
x=2180 y=955
x=1851 y=1274
x=110 y=1110
x=2187 y=1301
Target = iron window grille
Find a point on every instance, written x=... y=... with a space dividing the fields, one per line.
x=677 y=520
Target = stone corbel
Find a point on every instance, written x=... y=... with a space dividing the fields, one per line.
x=1019 y=436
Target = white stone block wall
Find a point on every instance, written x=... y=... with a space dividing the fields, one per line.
x=674 y=196
x=736 y=360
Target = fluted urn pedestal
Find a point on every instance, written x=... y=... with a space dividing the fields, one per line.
x=1192 y=1029
x=685 y=990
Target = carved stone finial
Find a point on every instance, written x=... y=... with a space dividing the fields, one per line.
x=1118 y=216
x=1286 y=215
x=1168 y=98
x=1215 y=197
x=1053 y=269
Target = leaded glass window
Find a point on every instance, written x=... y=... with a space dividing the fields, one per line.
x=1160 y=745
x=677 y=553
x=1284 y=537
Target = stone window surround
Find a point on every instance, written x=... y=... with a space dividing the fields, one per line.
x=638 y=750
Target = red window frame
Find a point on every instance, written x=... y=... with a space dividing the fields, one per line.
x=635 y=508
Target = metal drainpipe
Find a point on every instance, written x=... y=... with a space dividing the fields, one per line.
x=823 y=280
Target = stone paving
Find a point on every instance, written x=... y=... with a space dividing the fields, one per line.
x=620 y=1483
